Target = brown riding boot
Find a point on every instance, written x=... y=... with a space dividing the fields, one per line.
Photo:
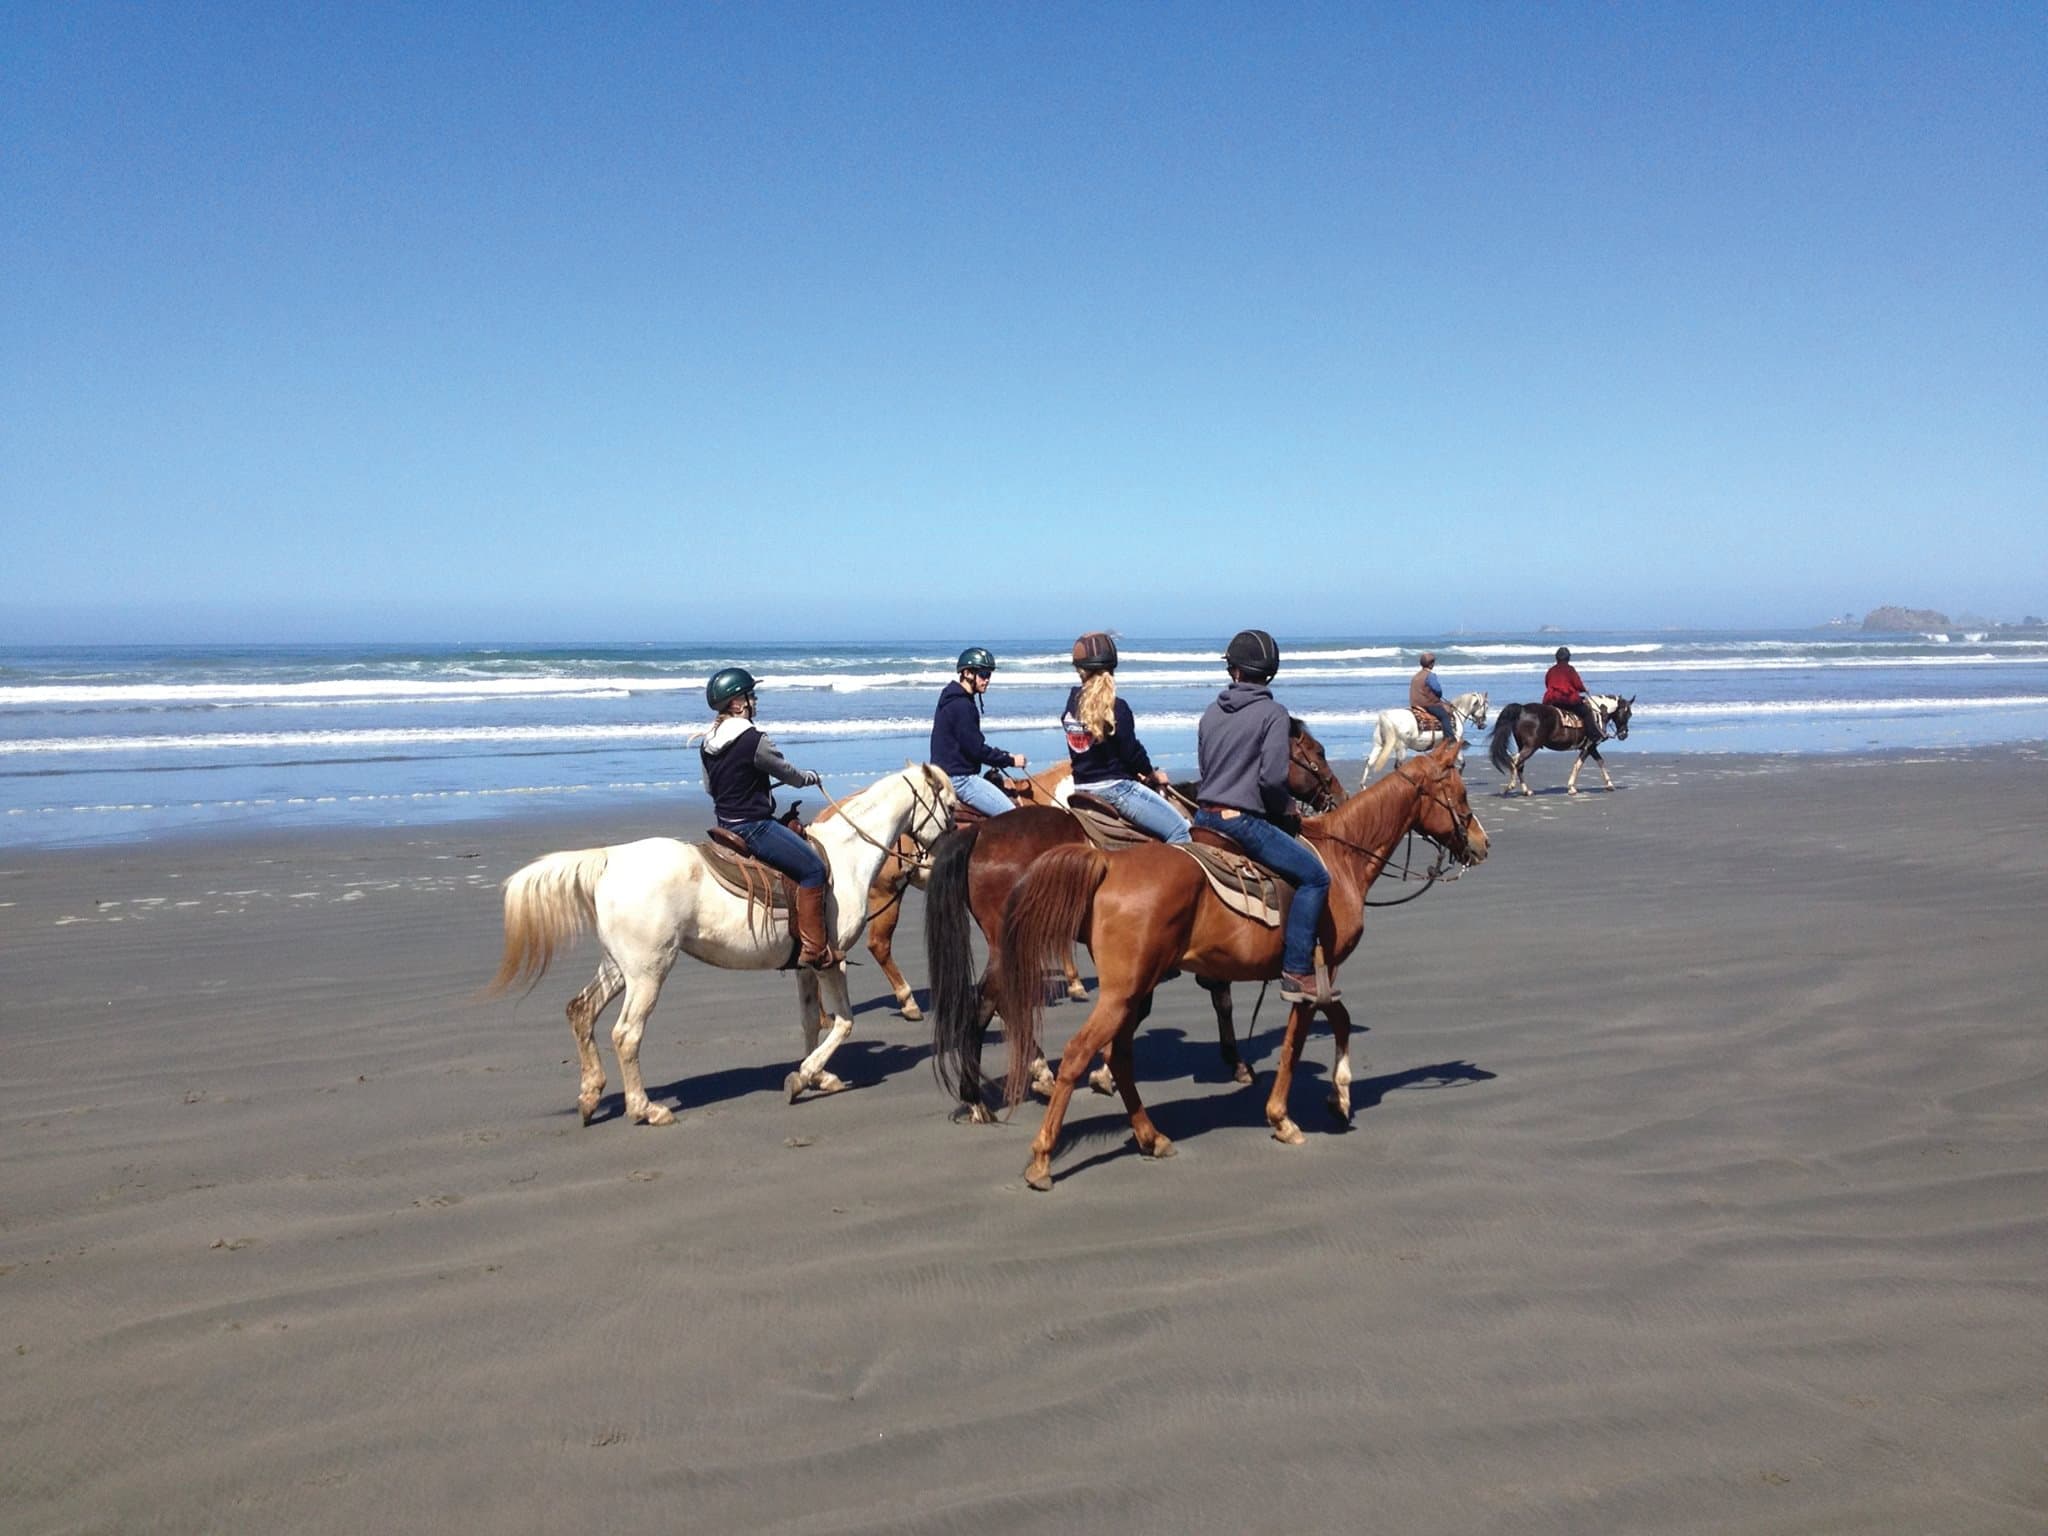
x=814 y=939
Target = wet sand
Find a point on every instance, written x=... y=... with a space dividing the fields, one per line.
x=1698 y=1182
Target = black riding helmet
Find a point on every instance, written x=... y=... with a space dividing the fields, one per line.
x=727 y=684
x=1253 y=653
x=976 y=658
x=1095 y=652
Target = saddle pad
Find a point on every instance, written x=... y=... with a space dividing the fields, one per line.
x=1423 y=718
x=1107 y=831
x=749 y=879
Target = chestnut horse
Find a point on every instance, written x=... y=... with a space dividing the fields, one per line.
x=973 y=871
x=1145 y=912
x=1533 y=727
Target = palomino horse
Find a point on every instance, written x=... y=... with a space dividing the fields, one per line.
x=653 y=899
x=973 y=872
x=1399 y=733
x=1146 y=911
x=908 y=865
x=1532 y=727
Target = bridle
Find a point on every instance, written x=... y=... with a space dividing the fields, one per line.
x=1321 y=773
x=1458 y=849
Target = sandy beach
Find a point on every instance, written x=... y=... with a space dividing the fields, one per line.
x=1698 y=1182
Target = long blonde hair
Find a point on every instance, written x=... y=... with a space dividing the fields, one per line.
x=1098 y=705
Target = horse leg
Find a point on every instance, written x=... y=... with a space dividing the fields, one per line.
x=642 y=991
x=1151 y=1140
x=1285 y=1129
x=1104 y=1022
x=583 y=1010
x=883 y=916
x=1521 y=762
x=971 y=1092
x=1601 y=763
x=1340 y=1071
x=829 y=989
x=1226 y=1028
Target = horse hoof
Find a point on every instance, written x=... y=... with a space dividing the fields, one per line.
x=1339 y=1107
x=658 y=1114
x=1039 y=1177
x=1161 y=1147
x=586 y=1110
x=793 y=1085
x=1102 y=1080
x=1243 y=1075
x=912 y=1012
x=980 y=1114
x=1288 y=1132
x=1076 y=992
x=830 y=1082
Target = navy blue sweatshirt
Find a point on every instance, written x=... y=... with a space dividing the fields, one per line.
x=1120 y=755
x=957 y=745
x=1241 y=746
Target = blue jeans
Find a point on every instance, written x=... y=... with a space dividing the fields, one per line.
x=983 y=796
x=1142 y=806
x=1270 y=846
x=775 y=845
x=1445 y=721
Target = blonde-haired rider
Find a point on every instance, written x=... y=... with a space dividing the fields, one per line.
x=1102 y=739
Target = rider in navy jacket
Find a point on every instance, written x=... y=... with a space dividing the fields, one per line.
x=958 y=749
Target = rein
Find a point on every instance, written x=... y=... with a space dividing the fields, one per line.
x=1435 y=875
x=919 y=858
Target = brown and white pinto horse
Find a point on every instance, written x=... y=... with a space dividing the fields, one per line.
x=1146 y=911
x=1534 y=727
x=973 y=872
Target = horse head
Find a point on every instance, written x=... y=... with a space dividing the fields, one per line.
x=1310 y=778
x=1473 y=707
x=1444 y=815
x=1618 y=717
x=932 y=801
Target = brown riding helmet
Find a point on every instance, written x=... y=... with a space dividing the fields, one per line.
x=1095 y=652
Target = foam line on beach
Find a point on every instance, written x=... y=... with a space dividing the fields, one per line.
x=901 y=726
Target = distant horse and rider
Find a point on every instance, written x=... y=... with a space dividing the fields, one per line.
x=1569 y=719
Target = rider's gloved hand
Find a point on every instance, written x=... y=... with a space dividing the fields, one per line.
x=812 y=779
x=1289 y=823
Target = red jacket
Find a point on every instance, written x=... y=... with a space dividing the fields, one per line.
x=1563 y=685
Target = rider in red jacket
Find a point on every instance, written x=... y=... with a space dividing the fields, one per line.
x=1563 y=687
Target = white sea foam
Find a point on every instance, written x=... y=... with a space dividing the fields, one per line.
x=660 y=734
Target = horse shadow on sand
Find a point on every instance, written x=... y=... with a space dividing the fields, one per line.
x=1166 y=1055
x=863 y=1063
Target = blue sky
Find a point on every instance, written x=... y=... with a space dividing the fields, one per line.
x=867 y=320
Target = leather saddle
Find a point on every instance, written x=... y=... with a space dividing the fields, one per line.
x=1104 y=825
x=732 y=866
x=1240 y=881
x=1423 y=718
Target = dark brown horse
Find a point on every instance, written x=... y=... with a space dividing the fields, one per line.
x=1534 y=727
x=1147 y=911
x=974 y=869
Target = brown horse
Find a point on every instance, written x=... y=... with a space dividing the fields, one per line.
x=908 y=865
x=1533 y=727
x=973 y=872
x=1145 y=912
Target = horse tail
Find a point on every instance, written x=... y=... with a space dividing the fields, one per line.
x=547 y=904
x=1499 y=748
x=949 y=955
x=1040 y=924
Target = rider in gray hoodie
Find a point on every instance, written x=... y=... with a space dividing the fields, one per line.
x=1241 y=747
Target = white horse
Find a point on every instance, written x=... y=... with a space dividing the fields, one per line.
x=1396 y=735
x=654 y=899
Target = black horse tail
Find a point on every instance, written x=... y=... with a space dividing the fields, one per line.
x=1040 y=924
x=1500 y=745
x=949 y=956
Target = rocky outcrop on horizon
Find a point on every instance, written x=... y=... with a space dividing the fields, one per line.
x=1895 y=620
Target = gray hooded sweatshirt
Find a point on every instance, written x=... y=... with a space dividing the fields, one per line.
x=1241 y=751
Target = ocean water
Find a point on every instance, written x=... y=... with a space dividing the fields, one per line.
x=121 y=743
